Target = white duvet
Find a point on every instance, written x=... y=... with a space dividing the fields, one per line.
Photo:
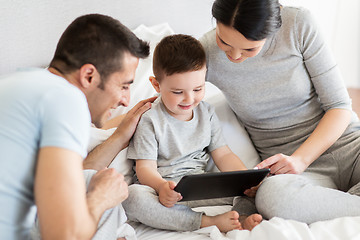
x=239 y=142
x=274 y=229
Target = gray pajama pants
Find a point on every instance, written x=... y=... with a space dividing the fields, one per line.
x=143 y=206
x=328 y=189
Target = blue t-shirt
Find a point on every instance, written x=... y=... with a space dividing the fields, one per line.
x=37 y=109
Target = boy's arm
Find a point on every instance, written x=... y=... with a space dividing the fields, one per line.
x=146 y=171
x=226 y=160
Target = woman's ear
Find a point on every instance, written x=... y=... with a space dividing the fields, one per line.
x=87 y=73
x=155 y=84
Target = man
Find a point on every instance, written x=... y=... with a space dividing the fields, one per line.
x=44 y=130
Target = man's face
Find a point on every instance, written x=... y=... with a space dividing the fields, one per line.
x=116 y=91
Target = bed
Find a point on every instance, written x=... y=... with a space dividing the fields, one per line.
x=29 y=33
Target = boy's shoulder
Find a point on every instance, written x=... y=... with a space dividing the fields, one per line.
x=155 y=111
x=205 y=106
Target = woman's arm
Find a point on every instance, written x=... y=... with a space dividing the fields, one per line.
x=226 y=160
x=329 y=129
x=102 y=155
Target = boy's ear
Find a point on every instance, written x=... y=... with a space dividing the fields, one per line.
x=155 y=84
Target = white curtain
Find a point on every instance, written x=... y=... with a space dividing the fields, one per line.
x=340 y=24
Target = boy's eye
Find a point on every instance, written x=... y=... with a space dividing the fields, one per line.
x=125 y=87
x=197 y=89
x=177 y=92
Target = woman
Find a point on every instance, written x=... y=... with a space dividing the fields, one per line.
x=282 y=82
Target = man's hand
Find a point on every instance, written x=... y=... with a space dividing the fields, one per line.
x=129 y=123
x=283 y=164
x=102 y=155
x=107 y=189
x=167 y=196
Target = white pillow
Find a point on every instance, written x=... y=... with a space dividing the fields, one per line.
x=120 y=162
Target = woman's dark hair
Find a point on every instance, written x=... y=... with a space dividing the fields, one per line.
x=99 y=40
x=255 y=19
x=178 y=53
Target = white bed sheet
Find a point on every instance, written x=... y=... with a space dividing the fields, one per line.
x=274 y=229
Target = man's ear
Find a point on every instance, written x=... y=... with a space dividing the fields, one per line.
x=87 y=73
x=155 y=84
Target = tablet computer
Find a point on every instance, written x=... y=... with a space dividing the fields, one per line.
x=219 y=184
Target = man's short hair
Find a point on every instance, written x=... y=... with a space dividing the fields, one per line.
x=178 y=53
x=99 y=40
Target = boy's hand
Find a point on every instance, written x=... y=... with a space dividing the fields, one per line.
x=252 y=191
x=167 y=196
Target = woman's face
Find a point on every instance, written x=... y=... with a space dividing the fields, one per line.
x=236 y=47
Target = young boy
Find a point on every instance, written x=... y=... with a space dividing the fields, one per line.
x=176 y=138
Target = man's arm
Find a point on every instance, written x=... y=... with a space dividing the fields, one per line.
x=65 y=210
x=102 y=155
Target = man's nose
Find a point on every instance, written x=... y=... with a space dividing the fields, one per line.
x=125 y=99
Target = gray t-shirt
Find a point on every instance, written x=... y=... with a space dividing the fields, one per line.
x=281 y=94
x=179 y=147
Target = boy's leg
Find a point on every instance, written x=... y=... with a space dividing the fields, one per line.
x=143 y=206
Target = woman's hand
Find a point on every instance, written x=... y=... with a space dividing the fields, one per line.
x=283 y=164
x=167 y=196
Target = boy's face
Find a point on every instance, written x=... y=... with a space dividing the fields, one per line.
x=182 y=92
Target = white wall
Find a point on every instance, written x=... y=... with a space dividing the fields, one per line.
x=340 y=24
